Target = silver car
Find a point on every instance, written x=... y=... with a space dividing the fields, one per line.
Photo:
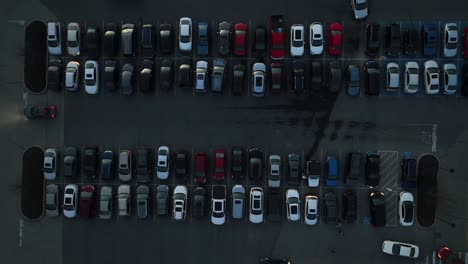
x=73 y=39
x=179 y=207
x=431 y=77
x=201 y=74
x=125 y=165
x=360 y=9
x=54 y=41
x=105 y=203
x=450 y=78
x=71 y=75
x=52 y=193
x=411 y=77
x=50 y=164
x=123 y=196
x=274 y=176
x=185 y=34
x=450 y=40
x=91 y=78
x=217 y=75
x=258 y=79
x=238 y=198
x=393 y=76
x=142 y=201
x=316 y=38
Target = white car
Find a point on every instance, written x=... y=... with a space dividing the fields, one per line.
x=406 y=209
x=162 y=167
x=450 y=40
x=73 y=39
x=91 y=77
x=70 y=201
x=54 y=40
x=123 y=198
x=218 y=204
x=185 y=34
x=179 y=207
x=71 y=75
x=316 y=38
x=450 y=78
x=201 y=73
x=293 y=207
x=411 y=77
x=393 y=76
x=312 y=172
x=256 y=205
x=431 y=77
x=311 y=210
x=297 y=40
x=400 y=249
x=50 y=164
x=360 y=9
x=258 y=79
x=274 y=177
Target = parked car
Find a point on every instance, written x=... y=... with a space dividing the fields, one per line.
x=125 y=165
x=50 y=164
x=203 y=38
x=393 y=77
x=406 y=208
x=238 y=198
x=52 y=193
x=298 y=75
x=199 y=202
x=93 y=41
x=293 y=207
x=33 y=112
x=224 y=38
x=111 y=76
x=218 y=75
x=179 y=207
x=143 y=165
x=258 y=79
x=87 y=201
x=146 y=76
x=312 y=172
x=349 y=207
x=143 y=194
x=165 y=75
x=316 y=77
x=334 y=77
x=373 y=78
x=201 y=167
x=353 y=80
x=255 y=164
x=218 y=204
x=274 y=205
x=297 y=40
x=276 y=69
x=274 y=175
x=429 y=40
x=238 y=79
x=162 y=167
x=220 y=165
x=166 y=38
x=185 y=34
x=128 y=39
x=256 y=205
x=185 y=72
x=464 y=78
x=181 y=165
x=72 y=75
x=70 y=162
x=73 y=39
x=259 y=42
x=393 y=40
x=110 y=40
x=332 y=170
x=354 y=171
x=377 y=208
x=400 y=249
x=238 y=163
x=450 y=78
x=162 y=199
x=316 y=38
x=465 y=43
x=123 y=198
x=90 y=161
x=107 y=165
x=408 y=173
x=431 y=77
x=147 y=40
x=335 y=44
x=311 y=210
x=105 y=203
x=372 y=39
x=450 y=39
x=240 y=39
x=54 y=38
x=411 y=77
x=372 y=169
x=277 y=37
x=54 y=75
x=91 y=78
x=410 y=41
x=70 y=201
x=360 y=9
x=448 y=256
x=127 y=79
x=294 y=166
x=330 y=208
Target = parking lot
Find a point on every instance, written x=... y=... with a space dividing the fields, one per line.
x=391 y=124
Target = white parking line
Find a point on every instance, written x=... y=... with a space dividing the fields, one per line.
x=434 y=138
x=20 y=232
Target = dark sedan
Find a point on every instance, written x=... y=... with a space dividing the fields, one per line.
x=165 y=75
x=146 y=76
x=127 y=79
x=111 y=76
x=54 y=75
x=238 y=163
x=224 y=38
x=238 y=79
x=298 y=75
x=372 y=169
x=334 y=77
x=256 y=164
x=294 y=169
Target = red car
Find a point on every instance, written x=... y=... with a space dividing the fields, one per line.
x=220 y=165
x=201 y=161
x=448 y=256
x=240 y=39
x=277 y=38
x=465 y=43
x=87 y=198
x=336 y=39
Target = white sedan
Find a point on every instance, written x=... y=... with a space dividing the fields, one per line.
x=431 y=77
x=297 y=40
x=311 y=207
x=450 y=78
x=162 y=167
x=91 y=79
x=70 y=201
x=406 y=209
x=411 y=77
x=179 y=199
x=185 y=34
x=256 y=205
x=450 y=40
x=316 y=38
x=393 y=76
x=293 y=207
x=400 y=249
x=72 y=74
x=360 y=9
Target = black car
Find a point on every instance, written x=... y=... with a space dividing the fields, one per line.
x=408 y=173
x=107 y=165
x=276 y=69
x=316 y=77
x=334 y=77
x=330 y=208
x=298 y=76
x=181 y=164
x=410 y=41
x=143 y=164
x=372 y=39
x=372 y=169
x=185 y=72
x=110 y=40
x=54 y=75
x=393 y=40
x=165 y=74
x=354 y=166
x=256 y=164
x=199 y=202
x=238 y=163
x=111 y=76
x=349 y=207
x=464 y=88
x=93 y=41
x=166 y=38
x=128 y=39
x=259 y=48
x=274 y=205
x=377 y=208
x=224 y=38
x=294 y=165
x=162 y=199
x=40 y=112
x=90 y=161
x=146 y=76
x=127 y=79
x=238 y=79
x=70 y=162
x=372 y=70
x=147 y=40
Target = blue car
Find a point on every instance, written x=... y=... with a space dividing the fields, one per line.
x=203 y=38
x=429 y=40
x=332 y=171
x=354 y=80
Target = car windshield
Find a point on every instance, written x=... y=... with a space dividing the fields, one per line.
x=396 y=249
x=258 y=81
x=218 y=206
x=361 y=6
x=185 y=39
x=408 y=211
x=294 y=209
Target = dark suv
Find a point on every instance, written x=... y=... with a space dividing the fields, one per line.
x=372 y=169
x=70 y=162
x=238 y=163
x=90 y=161
x=373 y=78
x=377 y=208
x=372 y=39
x=255 y=164
x=393 y=40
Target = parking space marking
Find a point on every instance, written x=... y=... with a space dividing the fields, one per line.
x=388 y=183
x=434 y=138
